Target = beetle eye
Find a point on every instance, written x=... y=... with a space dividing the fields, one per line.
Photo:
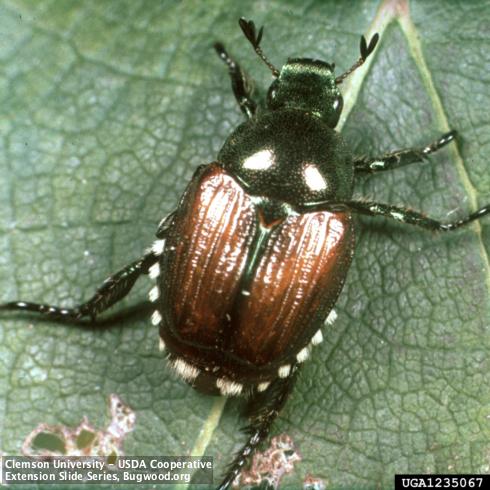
x=338 y=104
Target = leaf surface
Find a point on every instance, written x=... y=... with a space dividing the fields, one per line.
x=108 y=107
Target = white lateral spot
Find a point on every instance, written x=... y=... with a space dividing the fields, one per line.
x=398 y=216
x=154 y=294
x=158 y=246
x=262 y=160
x=303 y=354
x=161 y=345
x=228 y=388
x=332 y=316
x=317 y=338
x=284 y=371
x=245 y=292
x=263 y=386
x=313 y=178
x=154 y=271
x=156 y=318
x=185 y=370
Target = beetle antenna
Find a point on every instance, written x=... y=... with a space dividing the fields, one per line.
x=366 y=50
x=248 y=28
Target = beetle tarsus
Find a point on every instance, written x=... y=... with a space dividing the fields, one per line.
x=241 y=85
x=399 y=158
x=411 y=217
x=262 y=409
x=114 y=289
x=439 y=143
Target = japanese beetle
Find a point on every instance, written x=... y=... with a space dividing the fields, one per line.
x=256 y=254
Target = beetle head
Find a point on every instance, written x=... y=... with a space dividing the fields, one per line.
x=306 y=84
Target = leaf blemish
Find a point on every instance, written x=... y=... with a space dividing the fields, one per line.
x=270 y=465
x=85 y=439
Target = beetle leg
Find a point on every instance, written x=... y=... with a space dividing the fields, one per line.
x=114 y=289
x=240 y=83
x=407 y=215
x=399 y=158
x=262 y=410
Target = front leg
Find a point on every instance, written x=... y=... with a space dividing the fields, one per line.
x=399 y=158
x=241 y=85
x=263 y=408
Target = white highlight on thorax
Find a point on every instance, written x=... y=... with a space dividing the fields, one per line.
x=313 y=178
x=262 y=160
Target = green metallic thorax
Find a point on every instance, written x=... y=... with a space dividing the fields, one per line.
x=289 y=155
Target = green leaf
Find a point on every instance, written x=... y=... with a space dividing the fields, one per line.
x=107 y=107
